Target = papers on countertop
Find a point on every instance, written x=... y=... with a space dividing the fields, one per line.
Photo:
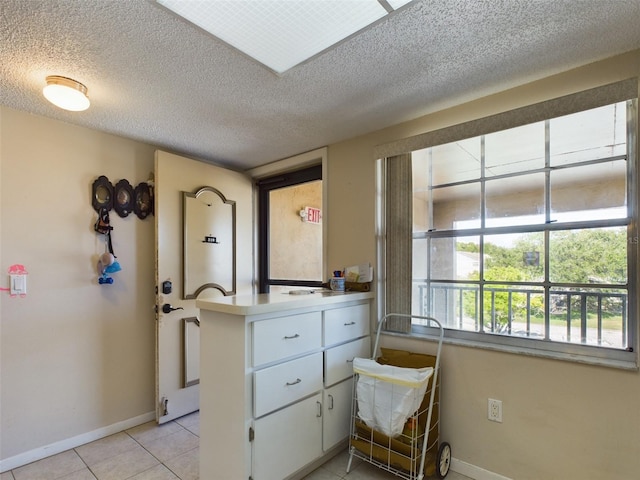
x=359 y=273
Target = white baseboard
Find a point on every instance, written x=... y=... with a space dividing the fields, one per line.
x=73 y=442
x=471 y=471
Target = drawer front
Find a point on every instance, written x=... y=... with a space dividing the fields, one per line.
x=285 y=337
x=343 y=324
x=338 y=361
x=287 y=382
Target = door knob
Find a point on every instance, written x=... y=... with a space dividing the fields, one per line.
x=167 y=308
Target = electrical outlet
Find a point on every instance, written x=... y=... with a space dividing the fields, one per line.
x=495 y=410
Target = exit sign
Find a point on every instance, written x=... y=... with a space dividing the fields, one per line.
x=312 y=215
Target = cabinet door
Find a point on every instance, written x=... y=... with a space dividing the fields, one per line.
x=346 y=323
x=287 y=440
x=337 y=414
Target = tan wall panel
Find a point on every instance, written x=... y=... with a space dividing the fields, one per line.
x=75 y=356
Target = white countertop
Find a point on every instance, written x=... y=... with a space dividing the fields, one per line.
x=276 y=302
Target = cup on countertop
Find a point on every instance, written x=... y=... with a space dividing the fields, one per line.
x=337 y=284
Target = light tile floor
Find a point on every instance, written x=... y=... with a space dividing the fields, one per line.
x=162 y=452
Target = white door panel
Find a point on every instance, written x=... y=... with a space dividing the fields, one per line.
x=174 y=175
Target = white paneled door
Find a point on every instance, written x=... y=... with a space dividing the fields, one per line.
x=177 y=389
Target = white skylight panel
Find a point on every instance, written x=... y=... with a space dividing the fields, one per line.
x=396 y=4
x=281 y=33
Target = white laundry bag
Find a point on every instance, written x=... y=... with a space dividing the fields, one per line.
x=388 y=395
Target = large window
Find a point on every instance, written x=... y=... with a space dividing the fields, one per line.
x=525 y=237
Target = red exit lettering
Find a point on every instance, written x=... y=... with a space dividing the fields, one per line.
x=314 y=215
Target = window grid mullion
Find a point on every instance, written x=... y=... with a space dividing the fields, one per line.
x=483 y=210
x=547 y=235
x=430 y=227
x=630 y=335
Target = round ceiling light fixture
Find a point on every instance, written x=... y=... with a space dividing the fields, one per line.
x=66 y=93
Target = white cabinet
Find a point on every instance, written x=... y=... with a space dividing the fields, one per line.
x=346 y=335
x=336 y=418
x=287 y=440
x=275 y=381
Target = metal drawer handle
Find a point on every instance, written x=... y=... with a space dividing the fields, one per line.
x=293 y=383
x=291 y=337
x=350 y=323
x=330 y=402
x=350 y=361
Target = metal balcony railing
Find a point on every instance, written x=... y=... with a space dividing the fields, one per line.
x=571 y=316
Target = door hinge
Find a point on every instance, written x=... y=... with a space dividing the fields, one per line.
x=164 y=406
x=252 y=434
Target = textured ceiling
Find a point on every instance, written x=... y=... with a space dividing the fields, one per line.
x=155 y=78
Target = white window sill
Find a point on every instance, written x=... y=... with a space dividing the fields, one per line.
x=623 y=360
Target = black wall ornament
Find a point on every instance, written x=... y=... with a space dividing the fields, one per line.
x=143 y=201
x=123 y=198
x=102 y=194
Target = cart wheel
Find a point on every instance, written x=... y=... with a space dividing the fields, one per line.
x=443 y=461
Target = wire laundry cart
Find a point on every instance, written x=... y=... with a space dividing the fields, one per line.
x=394 y=400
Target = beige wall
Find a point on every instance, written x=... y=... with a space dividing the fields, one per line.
x=562 y=420
x=75 y=356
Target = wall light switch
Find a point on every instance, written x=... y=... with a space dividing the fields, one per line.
x=18 y=284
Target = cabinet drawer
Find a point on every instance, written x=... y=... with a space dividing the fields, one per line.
x=285 y=337
x=338 y=361
x=287 y=382
x=343 y=324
